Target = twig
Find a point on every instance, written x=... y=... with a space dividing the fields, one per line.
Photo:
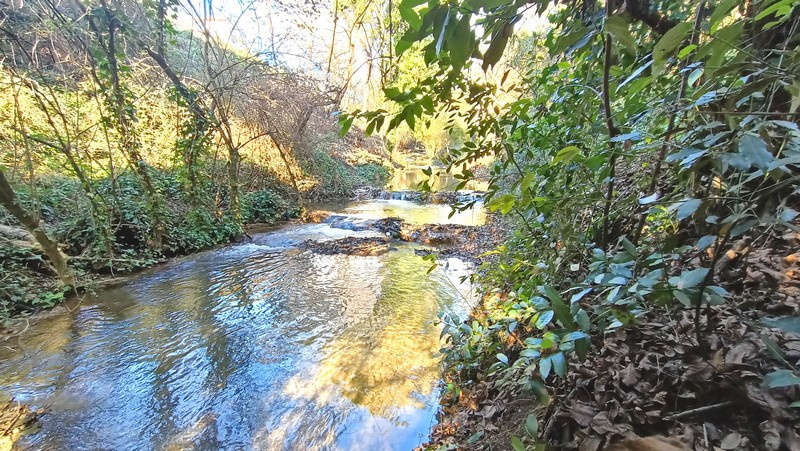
x=690 y=412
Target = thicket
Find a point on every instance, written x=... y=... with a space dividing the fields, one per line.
x=647 y=145
x=124 y=141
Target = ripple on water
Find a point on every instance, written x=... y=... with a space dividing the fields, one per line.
x=251 y=346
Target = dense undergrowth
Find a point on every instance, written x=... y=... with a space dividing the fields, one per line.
x=125 y=141
x=123 y=245
x=648 y=153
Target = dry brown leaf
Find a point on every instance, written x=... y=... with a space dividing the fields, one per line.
x=582 y=413
x=731 y=441
x=629 y=375
x=771 y=434
x=740 y=353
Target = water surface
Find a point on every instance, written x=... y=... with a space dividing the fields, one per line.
x=252 y=346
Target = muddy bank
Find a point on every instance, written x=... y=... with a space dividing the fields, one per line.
x=655 y=378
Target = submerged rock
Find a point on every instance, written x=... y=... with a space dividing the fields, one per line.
x=364 y=247
x=449 y=240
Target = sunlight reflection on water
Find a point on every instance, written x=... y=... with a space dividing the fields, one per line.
x=256 y=345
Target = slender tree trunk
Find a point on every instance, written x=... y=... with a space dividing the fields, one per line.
x=612 y=132
x=31 y=223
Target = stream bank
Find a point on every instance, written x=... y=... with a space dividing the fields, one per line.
x=654 y=379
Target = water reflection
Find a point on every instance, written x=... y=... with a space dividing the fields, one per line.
x=415 y=213
x=411 y=178
x=250 y=346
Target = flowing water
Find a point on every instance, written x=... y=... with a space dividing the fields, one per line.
x=410 y=178
x=251 y=346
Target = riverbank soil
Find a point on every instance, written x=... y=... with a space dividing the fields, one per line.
x=655 y=377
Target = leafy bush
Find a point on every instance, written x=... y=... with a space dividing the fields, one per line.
x=267 y=206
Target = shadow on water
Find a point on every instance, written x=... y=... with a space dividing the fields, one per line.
x=251 y=346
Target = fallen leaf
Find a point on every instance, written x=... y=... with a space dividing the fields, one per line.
x=771 y=434
x=740 y=353
x=731 y=441
x=582 y=413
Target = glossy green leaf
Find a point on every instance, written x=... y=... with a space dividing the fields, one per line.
x=503 y=203
x=497 y=45
x=781 y=378
x=705 y=241
x=545 y=365
x=754 y=150
x=691 y=279
x=687 y=208
x=544 y=318
x=668 y=43
x=786 y=323
x=532 y=425
x=559 y=363
x=618 y=28
x=566 y=154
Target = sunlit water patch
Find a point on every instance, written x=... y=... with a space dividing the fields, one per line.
x=415 y=213
x=257 y=345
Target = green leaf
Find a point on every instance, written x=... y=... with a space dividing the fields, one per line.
x=787 y=214
x=694 y=76
x=475 y=437
x=705 y=241
x=795 y=405
x=503 y=358
x=497 y=45
x=559 y=363
x=410 y=16
x=532 y=425
x=440 y=40
x=572 y=336
x=516 y=443
x=781 y=378
x=691 y=279
x=683 y=298
x=462 y=42
x=649 y=199
x=401 y=46
x=781 y=9
x=345 y=122
x=544 y=318
x=754 y=150
x=687 y=208
x=786 y=323
x=566 y=154
x=544 y=367
x=668 y=43
x=618 y=28
x=578 y=296
x=561 y=309
x=502 y=203
x=635 y=74
x=686 y=51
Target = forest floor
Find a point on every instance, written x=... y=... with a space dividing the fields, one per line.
x=655 y=378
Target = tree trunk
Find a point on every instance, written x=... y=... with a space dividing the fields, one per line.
x=59 y=261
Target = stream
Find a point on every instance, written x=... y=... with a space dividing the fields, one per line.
x=256 y=345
